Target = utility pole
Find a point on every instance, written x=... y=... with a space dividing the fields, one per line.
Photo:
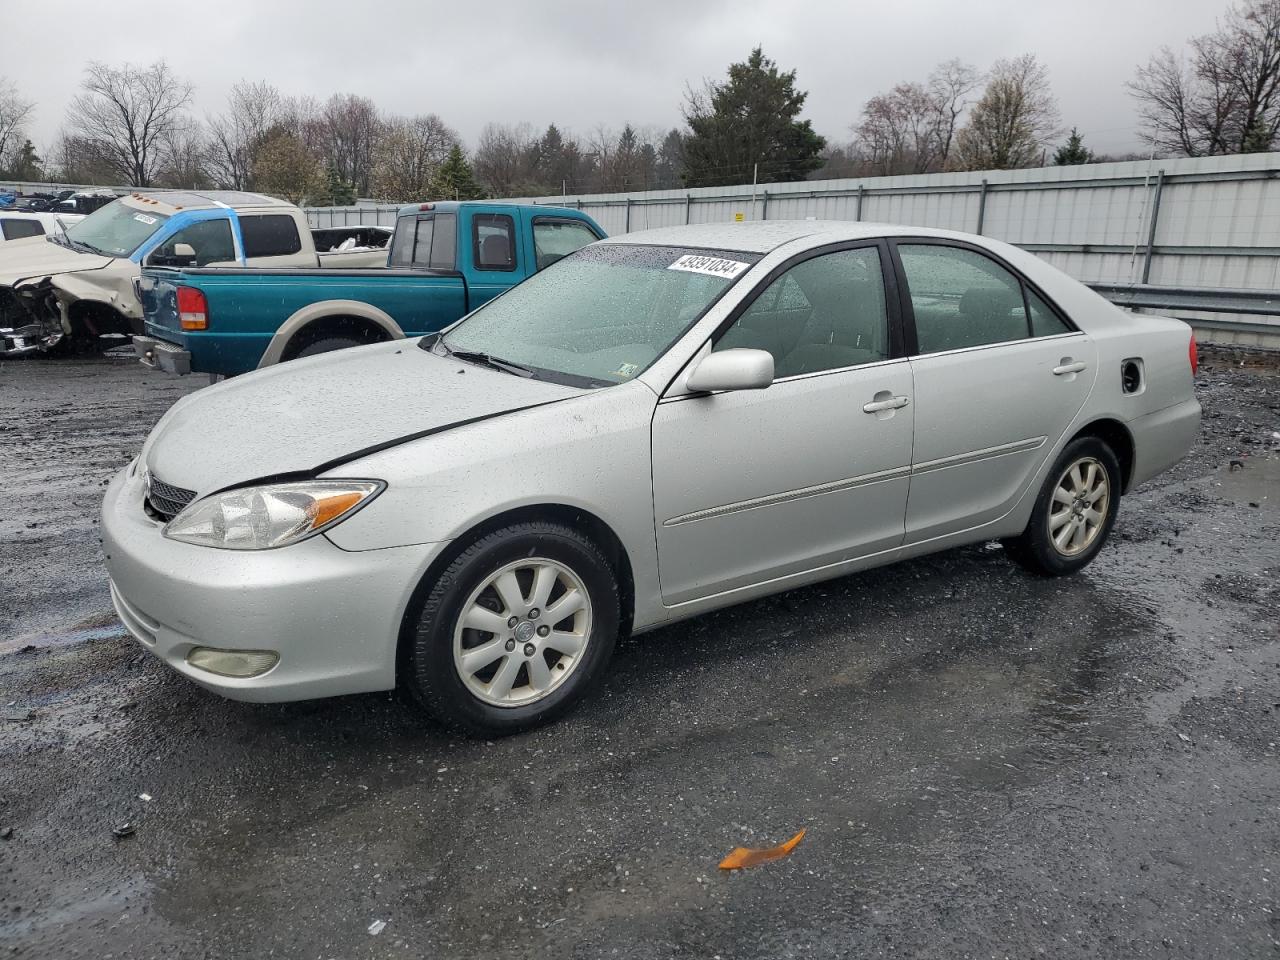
x=755 y=176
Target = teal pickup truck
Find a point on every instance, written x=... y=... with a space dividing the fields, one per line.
x=445 y=260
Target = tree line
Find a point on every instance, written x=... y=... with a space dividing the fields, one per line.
x=134 y=125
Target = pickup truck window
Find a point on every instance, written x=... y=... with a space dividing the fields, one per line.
x=115 y=230
x=210 y=240
x=269 y=235
x=15 y=229
x=425 y=242
x=553 y=239
x=494 y=238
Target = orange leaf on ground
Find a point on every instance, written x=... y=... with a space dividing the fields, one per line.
x=740 y=857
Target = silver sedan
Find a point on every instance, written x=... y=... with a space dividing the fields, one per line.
x=657 y=426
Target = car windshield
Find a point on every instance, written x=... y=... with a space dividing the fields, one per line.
x=115 y=230
x=601 y=315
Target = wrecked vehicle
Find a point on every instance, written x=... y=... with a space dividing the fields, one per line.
x=21 y=224
x=356 y=245
x=83 y=284
x=654 y=427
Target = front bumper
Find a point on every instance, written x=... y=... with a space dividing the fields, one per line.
x=162 y=355
x=29 y=338
x=332 y=615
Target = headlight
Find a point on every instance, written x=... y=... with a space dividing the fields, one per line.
x=259 y=518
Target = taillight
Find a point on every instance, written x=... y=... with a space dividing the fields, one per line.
x=1193 y=355
x=193 y=309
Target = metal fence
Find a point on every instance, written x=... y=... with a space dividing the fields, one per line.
x=1197 y=237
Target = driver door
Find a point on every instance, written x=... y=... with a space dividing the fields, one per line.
x=756 y=485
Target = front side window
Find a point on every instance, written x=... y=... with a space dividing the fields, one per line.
x=602 y=315
x=553 y=239
x=209 y=242
x=116 y=230
x=494 y=237
x=270 y=235
x=824 y=313
x=961 y=298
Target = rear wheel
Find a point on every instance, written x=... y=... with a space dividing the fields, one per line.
x=515 y=631
x=327 y=345
x=1074 y=511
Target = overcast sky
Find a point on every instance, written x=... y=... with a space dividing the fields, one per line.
x=580 y=64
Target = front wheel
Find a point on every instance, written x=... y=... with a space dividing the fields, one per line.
x=515 y=631
x=1074 y=512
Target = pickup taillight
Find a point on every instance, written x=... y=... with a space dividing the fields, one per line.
x=193 y=309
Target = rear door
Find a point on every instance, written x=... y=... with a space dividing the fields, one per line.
x=497 y=258
x=1000 y=373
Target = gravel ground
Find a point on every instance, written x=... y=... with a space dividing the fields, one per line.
x=986 y=764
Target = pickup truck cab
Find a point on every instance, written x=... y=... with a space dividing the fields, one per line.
x=445 y=260
x=82 y=283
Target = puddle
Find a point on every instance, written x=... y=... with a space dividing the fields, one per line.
x=80 y=634
x=1257 y=483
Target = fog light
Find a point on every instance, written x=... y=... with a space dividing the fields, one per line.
x=233 y=663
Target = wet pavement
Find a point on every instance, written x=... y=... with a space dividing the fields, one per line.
x=986 y=764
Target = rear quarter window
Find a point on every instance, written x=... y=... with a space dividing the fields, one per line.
x=270 y=235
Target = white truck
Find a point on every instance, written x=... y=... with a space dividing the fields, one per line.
x=71 y=287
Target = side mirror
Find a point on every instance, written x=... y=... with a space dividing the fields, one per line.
x=184 y=251
x=735 y=369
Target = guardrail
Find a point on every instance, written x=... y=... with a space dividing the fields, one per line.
x=1254 y=303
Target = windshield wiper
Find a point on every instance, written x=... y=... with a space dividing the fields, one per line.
x=497 y=363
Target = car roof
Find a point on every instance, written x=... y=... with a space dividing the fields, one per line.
x=763 y=236
x=199 y=199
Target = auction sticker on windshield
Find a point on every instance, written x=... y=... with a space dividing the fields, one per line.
x=143 y=218
x=712 y=266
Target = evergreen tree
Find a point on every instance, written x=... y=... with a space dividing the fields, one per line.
x=1073 y=151
x=340 y=193
x=750 y=119
x=27 y=165
x=455 y=180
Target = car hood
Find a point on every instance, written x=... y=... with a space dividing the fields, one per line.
x=305 y=415
x=20 y=261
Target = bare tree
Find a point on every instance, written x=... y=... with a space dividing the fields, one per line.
x=409 y=155
x=14 y=113
x=1014 y=120
x=236 y=135
x=352 y=128
x=506 y=159
x=911 y=128
x=185 y=156
x=285 y=167
x=1223 y=96
x=950 y=85
x=126 y=113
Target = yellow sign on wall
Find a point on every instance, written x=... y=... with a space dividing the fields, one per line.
x=739 y=217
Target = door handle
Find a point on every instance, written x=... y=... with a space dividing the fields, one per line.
x=893 y=403
x=1069 y=367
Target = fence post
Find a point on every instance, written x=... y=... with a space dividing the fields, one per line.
x=857 y=213
x=1151 y=234
x=982 y=207
x=627 y=228
x=688 y=202
x=764 y=205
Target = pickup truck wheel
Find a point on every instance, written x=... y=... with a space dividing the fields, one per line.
x=327 y=344
x=515 y=631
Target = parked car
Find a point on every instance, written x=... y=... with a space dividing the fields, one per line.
x=445 y=259
x=657 y=426
x=84 y=284
x=21 y=225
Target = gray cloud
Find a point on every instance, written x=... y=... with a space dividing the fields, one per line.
x=580 y=64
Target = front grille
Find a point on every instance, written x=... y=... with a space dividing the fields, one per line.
x=165 y=500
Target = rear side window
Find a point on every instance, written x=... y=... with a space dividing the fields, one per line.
x=494 y=237
x=553 y=239
x=961 y=298
x=1044 y=322
x=17 y=229
x=271 y=235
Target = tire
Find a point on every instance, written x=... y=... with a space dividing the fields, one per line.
x=326 y=345
x=1068 y=513
x=503 y=690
